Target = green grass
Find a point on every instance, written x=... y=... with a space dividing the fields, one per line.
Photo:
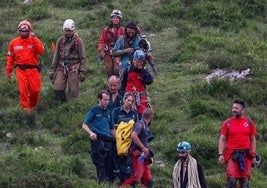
x=189 y=39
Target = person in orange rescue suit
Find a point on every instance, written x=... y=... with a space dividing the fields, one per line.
x=135 y=78
x=237 y=146
x=69 y=65
x=107 y=40
x=23 y=55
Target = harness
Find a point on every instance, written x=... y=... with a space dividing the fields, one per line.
x=66 y=64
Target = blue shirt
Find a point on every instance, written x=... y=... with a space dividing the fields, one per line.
x=100 y=120
x=120 y=45
x=119 y=114
x=116 y=103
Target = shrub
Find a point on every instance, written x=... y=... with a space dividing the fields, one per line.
x=218 y=61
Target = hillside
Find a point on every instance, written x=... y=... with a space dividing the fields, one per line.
x=189 y=38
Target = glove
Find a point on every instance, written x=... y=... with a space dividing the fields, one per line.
x=82 y=76
x=52 y=77
x=99 y=59
x=8 y=77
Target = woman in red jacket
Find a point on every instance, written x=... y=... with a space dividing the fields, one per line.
x=107 y=40
x=23 y=54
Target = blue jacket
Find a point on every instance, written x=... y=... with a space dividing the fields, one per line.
x=121 y=44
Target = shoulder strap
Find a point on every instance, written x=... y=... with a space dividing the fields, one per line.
x=76 y=42
x=229 y=124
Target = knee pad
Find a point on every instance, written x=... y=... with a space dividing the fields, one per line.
x=231 y=182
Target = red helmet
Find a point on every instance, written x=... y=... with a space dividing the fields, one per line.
x=25 y=25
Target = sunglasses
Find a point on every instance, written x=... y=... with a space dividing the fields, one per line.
x=182 y=152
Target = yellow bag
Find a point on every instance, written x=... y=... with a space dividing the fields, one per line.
x=123 y=137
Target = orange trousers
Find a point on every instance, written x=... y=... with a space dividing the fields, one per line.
x=29 y=85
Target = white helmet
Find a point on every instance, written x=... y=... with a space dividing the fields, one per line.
x=69 y=24
x=116 y=13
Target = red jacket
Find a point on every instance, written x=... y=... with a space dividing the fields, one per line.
x=109 y=36
x=23 y=51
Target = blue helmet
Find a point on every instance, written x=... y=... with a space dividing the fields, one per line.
x=183 y=147
x=139 y=55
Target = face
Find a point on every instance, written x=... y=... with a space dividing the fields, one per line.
x=130 y=32
x=237 y=110
x=113 y=86
x=115 y=20
x=24 y=33
x=183 y=155
x=104 y=101
x=68 y=32
x=138 y=63
x=128 y=102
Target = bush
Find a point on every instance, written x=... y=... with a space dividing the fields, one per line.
x=218 y=61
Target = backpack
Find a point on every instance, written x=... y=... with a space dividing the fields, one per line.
x=123 y=137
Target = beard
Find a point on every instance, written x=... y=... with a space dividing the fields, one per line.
x=236 y=114
x=183 y=158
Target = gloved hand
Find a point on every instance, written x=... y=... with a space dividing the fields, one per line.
x=82 y=76
x=8 y=78
x=154 y=68
x=52 y=77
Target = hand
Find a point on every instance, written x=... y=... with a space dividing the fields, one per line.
x=155 y=70
x=129 y=50
x=8 y=78
x=93 y=136
x=221 y=159
x=145 y=150
x=82 y=76
x=102 y=54
x=52 y=77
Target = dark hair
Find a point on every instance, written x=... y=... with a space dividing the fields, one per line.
x=100 y=94
x=133 y=26
x=147 y=113
x=242 y=103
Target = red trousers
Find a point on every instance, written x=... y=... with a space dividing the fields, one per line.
x=232 y=167
x=29 y=84
x=141 y=174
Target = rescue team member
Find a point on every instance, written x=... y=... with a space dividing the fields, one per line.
x=187 y=171
x=237 y=146
x=23 y=54
x=124 y=113
x=107 y=41
x=102 y=135
x=114 y=94
x=140 y=153
x=69 y=65
x=126 y=45
x=135 y=78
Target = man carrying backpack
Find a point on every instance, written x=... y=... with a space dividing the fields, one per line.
x=107 y=41
x=237 y=146
x=69 y=65
x=140 y=153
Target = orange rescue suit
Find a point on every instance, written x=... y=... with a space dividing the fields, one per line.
x=23 y=54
